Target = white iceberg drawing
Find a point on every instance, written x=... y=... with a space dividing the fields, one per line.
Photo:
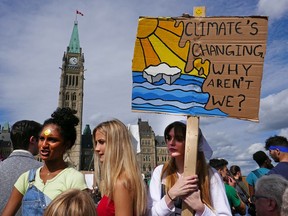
x=155 y=73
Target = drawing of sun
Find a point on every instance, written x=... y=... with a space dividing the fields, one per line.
x=158 y=41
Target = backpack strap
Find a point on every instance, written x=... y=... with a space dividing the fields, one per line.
x=256 y=173
x=243 y=193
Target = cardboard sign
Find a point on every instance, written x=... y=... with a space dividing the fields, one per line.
x=199 y=66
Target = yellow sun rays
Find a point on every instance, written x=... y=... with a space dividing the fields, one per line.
x=157 y=42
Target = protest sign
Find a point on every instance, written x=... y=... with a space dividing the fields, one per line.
x=199 y=66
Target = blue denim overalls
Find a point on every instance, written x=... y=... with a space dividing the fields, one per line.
x=34 y=201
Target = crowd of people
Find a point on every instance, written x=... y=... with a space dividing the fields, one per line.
x=53 y=188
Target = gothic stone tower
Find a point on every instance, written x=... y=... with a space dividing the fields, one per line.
x=71 y=89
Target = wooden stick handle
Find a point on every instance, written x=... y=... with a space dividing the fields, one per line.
x=192 y=130
x=191 y=149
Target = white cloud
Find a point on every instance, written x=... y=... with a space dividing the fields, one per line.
x=273 y=9
x=273 y=112
x=255 y=147
x=283 y=132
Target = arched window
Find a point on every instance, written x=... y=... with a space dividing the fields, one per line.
x=74 y=96
x=67 y=96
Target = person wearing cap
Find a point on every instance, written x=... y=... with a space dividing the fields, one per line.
x=278 y=150
x=264 y=164
x=203 y=193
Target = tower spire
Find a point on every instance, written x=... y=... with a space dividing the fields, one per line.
x=74 y=45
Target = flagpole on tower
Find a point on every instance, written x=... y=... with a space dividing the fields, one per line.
x=78 y=12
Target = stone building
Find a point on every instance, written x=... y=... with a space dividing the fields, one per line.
x=162 y=154
x=5 y=143
x=147 y=156
x=87 y=150
x=153 y=149
x=71 y=89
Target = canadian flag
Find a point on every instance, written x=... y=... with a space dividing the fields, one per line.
x=78 y=12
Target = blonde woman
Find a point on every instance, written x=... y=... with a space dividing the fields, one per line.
x=72 y=202
x=118 y=177
x=203 y=193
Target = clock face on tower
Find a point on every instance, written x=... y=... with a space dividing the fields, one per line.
x=73 y=60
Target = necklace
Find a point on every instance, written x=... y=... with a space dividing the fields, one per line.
x=48 y=173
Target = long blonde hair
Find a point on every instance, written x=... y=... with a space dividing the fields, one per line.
x=169 y=171
x=119 y=161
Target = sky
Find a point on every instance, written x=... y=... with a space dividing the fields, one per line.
x=35 y=34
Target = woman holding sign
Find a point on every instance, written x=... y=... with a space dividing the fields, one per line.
x=204 y=193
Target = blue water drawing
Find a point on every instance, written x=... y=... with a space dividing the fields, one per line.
x=185 y=96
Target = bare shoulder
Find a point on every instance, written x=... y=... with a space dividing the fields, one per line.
x=122 y=183
x=123 y=198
